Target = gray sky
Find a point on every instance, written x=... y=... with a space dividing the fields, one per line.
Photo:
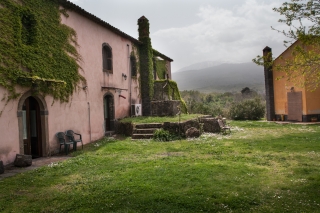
x=192 y=31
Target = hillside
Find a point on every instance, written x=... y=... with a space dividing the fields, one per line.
x=222 y=78
x=201 y=65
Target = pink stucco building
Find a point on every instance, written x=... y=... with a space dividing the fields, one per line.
x=30 y=122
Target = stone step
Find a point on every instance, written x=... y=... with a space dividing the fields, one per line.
x=148 y=126
x=144 y=131
x=142 y=136
x=108 y=133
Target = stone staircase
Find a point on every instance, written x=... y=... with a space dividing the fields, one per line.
x=145 y=131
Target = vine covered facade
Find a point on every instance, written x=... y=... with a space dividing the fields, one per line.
x=63 y=68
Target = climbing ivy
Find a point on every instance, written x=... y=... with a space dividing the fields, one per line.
x=134 y=55
x=160 y=67
x=133 y=63
x=36 y=50
x=145 y=55
x=173 y=92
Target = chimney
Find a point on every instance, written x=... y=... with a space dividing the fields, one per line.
x=268 y=79
x=146 y=65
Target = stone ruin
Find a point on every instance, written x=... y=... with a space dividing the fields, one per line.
x=203 y=124
x=162 y=104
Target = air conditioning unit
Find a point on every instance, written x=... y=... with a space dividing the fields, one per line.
x=136 y=110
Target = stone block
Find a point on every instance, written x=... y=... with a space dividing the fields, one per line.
x=210 y=125
x=23 y=160
x=165 y=108
x=123 y=128
x=192 y=133
x=191 y=123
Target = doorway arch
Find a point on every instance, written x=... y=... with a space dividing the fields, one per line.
x=108 y=112
x=33 y=125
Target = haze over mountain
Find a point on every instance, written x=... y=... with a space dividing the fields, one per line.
x=225 y=77
x=202 y=65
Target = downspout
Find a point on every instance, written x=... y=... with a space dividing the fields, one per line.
x=130 y=79
x=89 y=121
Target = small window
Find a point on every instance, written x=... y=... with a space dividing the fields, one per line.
x=107 y=58
x=133 y=63
x=28 y=29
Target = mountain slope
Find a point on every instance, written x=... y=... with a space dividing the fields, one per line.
x=222 y=78
x=201 y=65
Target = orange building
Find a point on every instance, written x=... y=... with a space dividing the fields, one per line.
x=285 y=100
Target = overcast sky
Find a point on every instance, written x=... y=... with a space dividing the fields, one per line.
x=192 y=31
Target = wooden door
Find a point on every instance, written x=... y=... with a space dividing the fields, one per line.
x=108 y=106
x=32 y=128
x=294 y=106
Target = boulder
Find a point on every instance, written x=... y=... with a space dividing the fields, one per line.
x=191 y=123
x=192 y=133
x=23 y=160
x=1 y=167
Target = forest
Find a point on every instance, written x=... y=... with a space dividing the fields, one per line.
x=246 y=104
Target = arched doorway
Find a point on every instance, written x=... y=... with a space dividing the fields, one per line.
x=32 y=143
x=33 y=126
x=108 y=108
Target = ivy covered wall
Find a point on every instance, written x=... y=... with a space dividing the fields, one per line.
x=168 y=90
x=149 y=61
x=146 y=65
x=36 y=50
x=160 y=67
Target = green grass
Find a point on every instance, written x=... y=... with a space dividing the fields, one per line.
x=151 y=119
x=260 y=167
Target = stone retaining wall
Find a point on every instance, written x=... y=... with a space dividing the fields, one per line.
x=123 y=128
x=208 y=124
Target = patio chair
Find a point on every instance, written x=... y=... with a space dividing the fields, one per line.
x=71 y=137
x=223 y=127
x=62 y=141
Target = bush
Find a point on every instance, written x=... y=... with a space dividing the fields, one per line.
x=163 y=135
x=252 y=109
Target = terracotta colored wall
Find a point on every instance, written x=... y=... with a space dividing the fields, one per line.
x=281 y=87
x=313 y=100
x=310 y=100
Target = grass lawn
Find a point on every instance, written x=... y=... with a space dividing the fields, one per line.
x=260 y=167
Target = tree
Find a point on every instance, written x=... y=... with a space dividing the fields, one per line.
x=303 y=19
x=251 y=109
x=245 y=90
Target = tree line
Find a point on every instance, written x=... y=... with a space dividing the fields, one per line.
x=244 y=105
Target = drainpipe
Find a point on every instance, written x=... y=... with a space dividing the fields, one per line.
x=130 y=79
x=89 y=121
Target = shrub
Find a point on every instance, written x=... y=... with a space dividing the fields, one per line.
x=163 y=135
x=252 y=109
